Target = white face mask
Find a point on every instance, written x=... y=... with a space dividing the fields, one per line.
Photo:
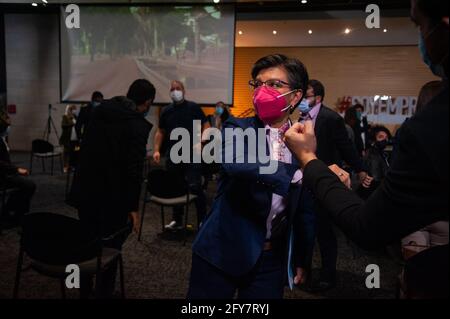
x=176 y=95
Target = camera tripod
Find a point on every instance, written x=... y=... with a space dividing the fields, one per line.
x=50 y=125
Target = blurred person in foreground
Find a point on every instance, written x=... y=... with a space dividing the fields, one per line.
x=411 y=197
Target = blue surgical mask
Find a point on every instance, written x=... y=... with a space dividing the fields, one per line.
x=304 y=107
x=437 y=69
x=219 y=110
x=95 y=104
x=359 y=115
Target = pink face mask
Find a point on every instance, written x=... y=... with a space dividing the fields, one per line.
x=269 y=104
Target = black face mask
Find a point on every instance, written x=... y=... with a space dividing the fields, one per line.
x=381 y=145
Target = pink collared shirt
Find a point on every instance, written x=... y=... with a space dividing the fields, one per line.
x=279 y=152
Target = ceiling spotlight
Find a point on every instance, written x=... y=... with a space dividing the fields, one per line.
x=304 y=1
x=216 y=1
x=34 y=4
x=45 y=1
x=310 y=31
x=274 y=31
x=240 y=32
x=385 y=30
x=347 y=31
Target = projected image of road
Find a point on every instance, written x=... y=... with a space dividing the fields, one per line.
x=116 y=45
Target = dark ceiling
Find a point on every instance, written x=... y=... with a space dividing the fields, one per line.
x=242 y=6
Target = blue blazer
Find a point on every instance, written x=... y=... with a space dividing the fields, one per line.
x=233 y=235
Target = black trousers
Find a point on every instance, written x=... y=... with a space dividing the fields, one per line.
x=193 y=175
x=265 y=281
x=19 y=201
x=326 y=238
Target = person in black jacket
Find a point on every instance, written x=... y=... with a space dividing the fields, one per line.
x=377 y=161
x=107 y=181
x=334 y=147
x=84 y=117
x=414 y=193
x=12 y=176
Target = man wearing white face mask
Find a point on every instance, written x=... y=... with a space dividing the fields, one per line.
x=181 y=114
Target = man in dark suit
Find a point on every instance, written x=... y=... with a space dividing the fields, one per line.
x=259 y=231
x=84 y=117
x=414 y=193
x=107 y=181
x=333 y=147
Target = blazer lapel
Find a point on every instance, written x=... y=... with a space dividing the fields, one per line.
x=319 y=121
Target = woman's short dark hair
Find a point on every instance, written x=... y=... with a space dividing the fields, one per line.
x=141 y=91
x=297 y=73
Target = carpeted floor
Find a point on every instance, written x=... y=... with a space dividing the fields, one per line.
x=159 y=266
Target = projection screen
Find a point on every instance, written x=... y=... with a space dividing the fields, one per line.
x=117 y=44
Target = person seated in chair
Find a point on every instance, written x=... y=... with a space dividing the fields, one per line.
x=13 y=177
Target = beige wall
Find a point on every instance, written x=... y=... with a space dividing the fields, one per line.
x=32 y=67
x=345 y=71
x=33 y=73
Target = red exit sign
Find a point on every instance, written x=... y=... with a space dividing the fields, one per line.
x=11 y=109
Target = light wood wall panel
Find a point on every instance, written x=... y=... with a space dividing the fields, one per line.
x=345 y=71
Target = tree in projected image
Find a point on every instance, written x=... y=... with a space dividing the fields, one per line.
x=159 y=30
x=150 y=32
x=100 y=34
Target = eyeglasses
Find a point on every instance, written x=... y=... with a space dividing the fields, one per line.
x=275 y=84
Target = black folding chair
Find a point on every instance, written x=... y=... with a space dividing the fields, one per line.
x=73 y=163
x=166 y=189
x=52 y=242
x=4 y=193
x=43 y=149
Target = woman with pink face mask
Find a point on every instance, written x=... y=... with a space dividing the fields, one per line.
x=274 y=98
x=259 y=234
